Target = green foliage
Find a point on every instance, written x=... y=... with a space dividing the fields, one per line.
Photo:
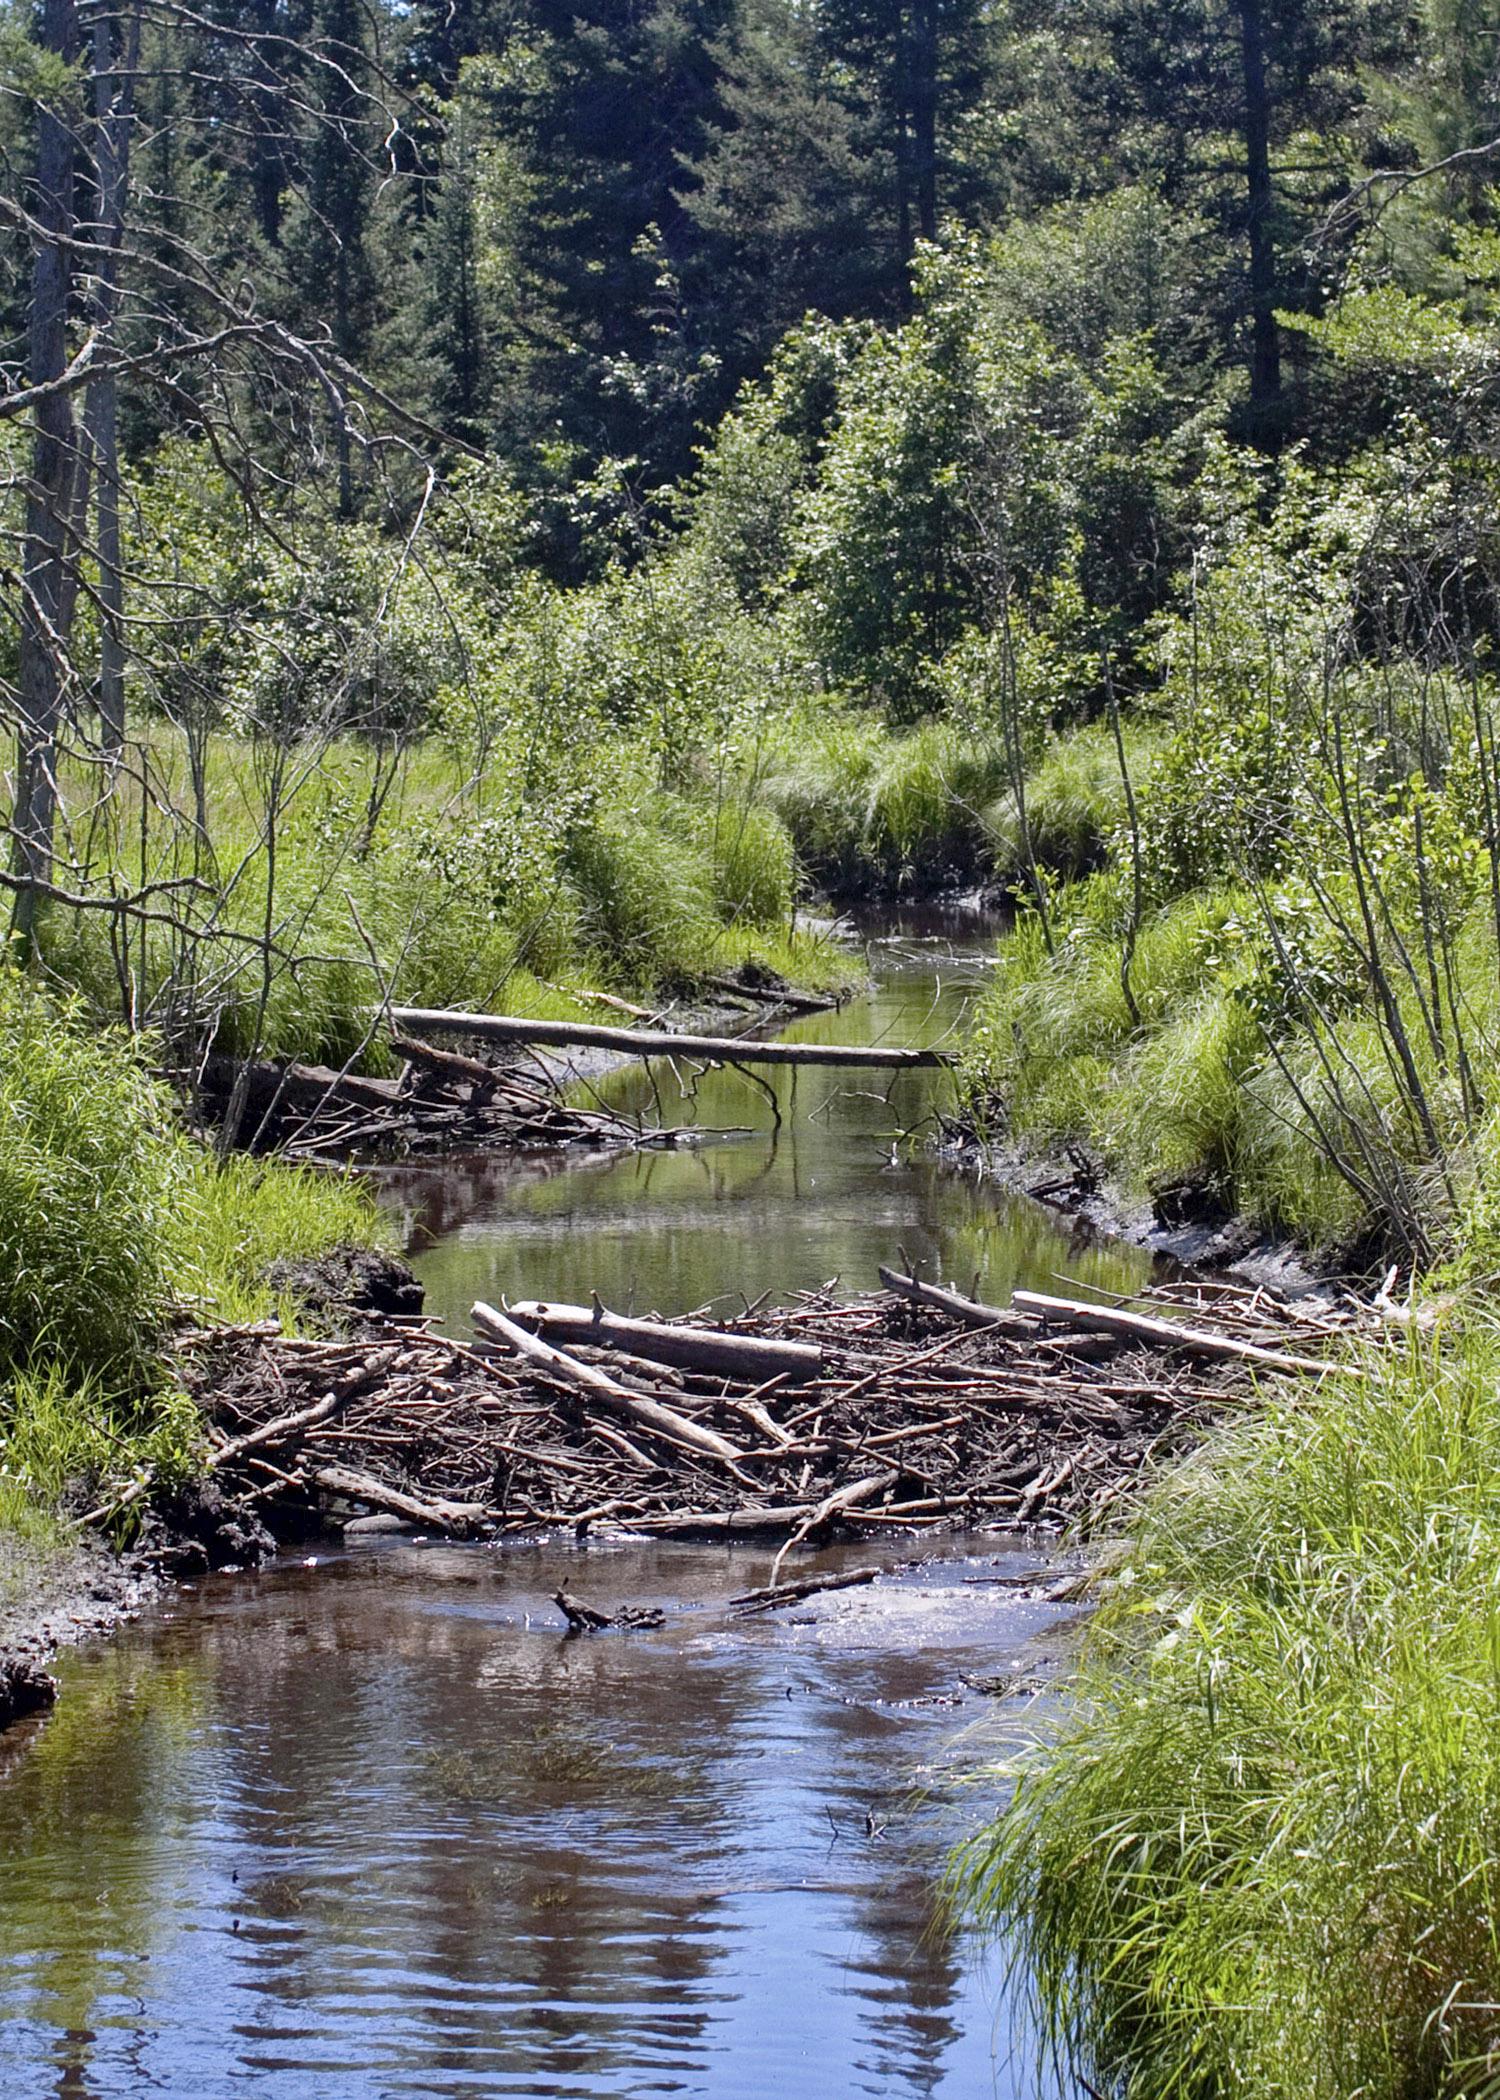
x=91 y=1177
x=1075 y=801
x=109 y=1221
x=1258 y=1852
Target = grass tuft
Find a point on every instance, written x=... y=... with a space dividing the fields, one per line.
x=1261 y=1852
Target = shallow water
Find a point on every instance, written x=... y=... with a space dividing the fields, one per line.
x=776 y=1207
x=386 y=1829
x=379 y=1827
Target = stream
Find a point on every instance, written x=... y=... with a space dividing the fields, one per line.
x=368 y=1823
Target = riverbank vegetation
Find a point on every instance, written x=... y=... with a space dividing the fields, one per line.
x=1259 y=1856
x=506 y=504
x=113 y=1226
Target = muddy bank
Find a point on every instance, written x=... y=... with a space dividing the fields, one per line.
x=1185 y=1223
x=53 y=1593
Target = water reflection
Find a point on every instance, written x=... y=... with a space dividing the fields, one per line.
x=439 y=1848
x=827 y=1192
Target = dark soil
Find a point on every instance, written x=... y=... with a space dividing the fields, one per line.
x=351 y=1280
x=52 y=1595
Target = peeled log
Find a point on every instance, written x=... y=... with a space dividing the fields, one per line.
x=1167 y=1334
x=650 y=1414
x=969 y=1310
x=657 y=1042
x=692 y=1348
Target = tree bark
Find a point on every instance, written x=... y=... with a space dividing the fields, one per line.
x=924 y=99
x=655 y=1042
x=114 y=110
x=47 y=592
x=1265 y=339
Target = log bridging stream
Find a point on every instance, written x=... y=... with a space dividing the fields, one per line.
x=658 y=1042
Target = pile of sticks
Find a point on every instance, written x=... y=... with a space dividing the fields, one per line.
x=439 y=1099
x=897 y=1412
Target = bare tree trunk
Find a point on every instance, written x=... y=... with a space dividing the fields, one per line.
x=47 y=588
x=114 y=108
x=924 y=100
x=1265 y=340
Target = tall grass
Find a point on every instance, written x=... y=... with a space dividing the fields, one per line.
x=1260 y=1852
x=1075 y=801
x=92 y=1177
x=111 y=1220
x=328 y=878
x=1220 y=1064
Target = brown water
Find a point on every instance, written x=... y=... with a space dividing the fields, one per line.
x=377 y=1827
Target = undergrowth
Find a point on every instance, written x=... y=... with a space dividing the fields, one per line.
x=113 y=1222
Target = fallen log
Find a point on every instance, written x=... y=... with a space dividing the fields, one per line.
x=969 y=1310
x=656 y=1042
x=650 y=1414
x=434 y=1514
x=774 y=995
x=1165 y=1334
x=691 y=1348
x=446 y=1064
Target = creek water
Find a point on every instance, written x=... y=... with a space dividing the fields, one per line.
x=379 y=1827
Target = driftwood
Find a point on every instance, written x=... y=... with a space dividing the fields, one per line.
x=650 y=1414
x=772 y=1598
x=1163 y=1334
x=842 y=1499
x=695 y=1348
x=583 y=1618
x=655 y=1042
x=774 y=995
x=969 y=1310
x=457 y=1517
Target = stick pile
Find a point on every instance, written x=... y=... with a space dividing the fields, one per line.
x=440 y=1098
x=899 y=1411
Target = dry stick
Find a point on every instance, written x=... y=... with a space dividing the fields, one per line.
x=651 y=1414
x=1166 y=1334
x=805 y=1586
x=969 y=1310
x=272 y=1432
x=831 y=1506
x=364 y=1487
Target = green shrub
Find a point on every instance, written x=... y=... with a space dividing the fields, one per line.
x=92 y=1178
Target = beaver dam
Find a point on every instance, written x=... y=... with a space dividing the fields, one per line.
x=370 y=1818
x=895 y=1412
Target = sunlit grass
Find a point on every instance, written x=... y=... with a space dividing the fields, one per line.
x=112 y=1221
x=1260 y=1853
